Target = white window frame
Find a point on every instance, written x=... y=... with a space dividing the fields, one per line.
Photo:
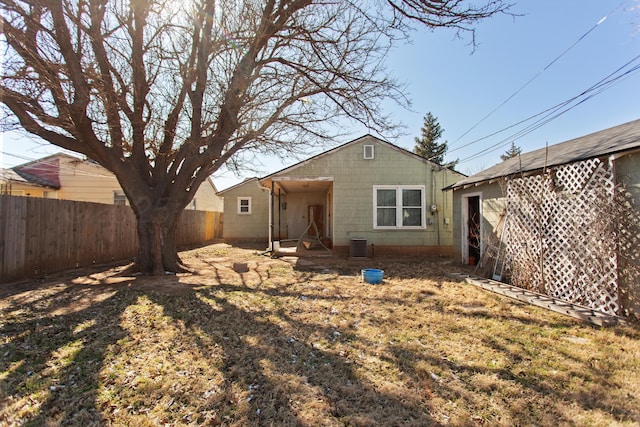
x=248 y=205
x=398 y=189
x=364 y=152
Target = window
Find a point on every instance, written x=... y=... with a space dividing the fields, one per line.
x=398 y=207
x=244 y=205
x=119 y=198
x=368 y=152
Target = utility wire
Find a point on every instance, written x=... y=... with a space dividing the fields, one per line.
x=549 y=117
x=557 y=106
x=540 y=72
x=557 y=110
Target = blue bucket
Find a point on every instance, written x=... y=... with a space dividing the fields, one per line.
x=372 y=276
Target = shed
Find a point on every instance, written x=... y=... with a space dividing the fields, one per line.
x=562 y=220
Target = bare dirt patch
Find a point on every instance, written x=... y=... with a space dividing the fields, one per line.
x=296 y=341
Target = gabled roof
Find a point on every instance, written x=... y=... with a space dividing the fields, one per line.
x=9 y=175
x=355 y=141
x=36 y=180
x=332 y=151
x=59 y=155
x=615 y=140
x=46 y=170
x=247 y=180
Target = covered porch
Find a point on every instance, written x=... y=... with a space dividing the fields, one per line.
x=300 y=214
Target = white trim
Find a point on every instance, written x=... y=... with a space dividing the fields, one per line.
x=398 y=207
x=299 y=178
x=368 y=151
x=50 y=194
x=241 y=206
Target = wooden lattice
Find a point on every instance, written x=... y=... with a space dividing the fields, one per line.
x=560 y=234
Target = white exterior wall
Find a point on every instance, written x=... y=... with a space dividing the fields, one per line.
x=207 y=199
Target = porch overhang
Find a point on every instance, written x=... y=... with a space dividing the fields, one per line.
x=294 y=184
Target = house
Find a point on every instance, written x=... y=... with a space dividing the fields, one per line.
x=367 y=194
x=13 y=183
x=561 y=220
x=246 y=212
x=62 y=176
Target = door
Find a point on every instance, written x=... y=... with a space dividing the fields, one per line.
x=474 y=240
x=315 y=213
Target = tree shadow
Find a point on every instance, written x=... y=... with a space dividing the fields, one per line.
x=475 y=382
x=276 y=366
x=278 y=363
x=270 y=370
x=59 y=355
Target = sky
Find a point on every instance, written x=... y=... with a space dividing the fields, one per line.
x=523 y=66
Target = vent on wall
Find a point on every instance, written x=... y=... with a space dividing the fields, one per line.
x=368 y=152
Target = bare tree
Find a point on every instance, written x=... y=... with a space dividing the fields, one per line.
x=163 y=93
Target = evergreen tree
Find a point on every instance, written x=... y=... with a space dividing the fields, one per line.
x=514 y=151
x=427 y=144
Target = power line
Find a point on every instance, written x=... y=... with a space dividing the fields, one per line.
x=557 y=106
x=539 y=72
x=557 y=110
x=555 y=113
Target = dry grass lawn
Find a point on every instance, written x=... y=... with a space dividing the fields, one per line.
x=299 y=342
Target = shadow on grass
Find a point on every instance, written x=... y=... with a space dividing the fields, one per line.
x=292 y=380
x=515 y=388
x=52 y=361
x=276 y=368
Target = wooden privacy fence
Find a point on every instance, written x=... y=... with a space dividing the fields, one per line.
x=41 y=236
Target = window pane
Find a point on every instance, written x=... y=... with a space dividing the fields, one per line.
x=244 y=205
x=386 y=217
x=412 y=217
x=386 y=197
x=411 y=197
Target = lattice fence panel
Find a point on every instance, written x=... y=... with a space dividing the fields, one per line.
x=561 y=234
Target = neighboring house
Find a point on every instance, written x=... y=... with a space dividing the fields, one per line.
x=13 y=183
x=61 y=176
x=562 y=220
x=366 y=190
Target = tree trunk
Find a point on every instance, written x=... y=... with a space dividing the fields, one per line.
x=157 y=252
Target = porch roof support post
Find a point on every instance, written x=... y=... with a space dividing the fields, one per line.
x=271 y=216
